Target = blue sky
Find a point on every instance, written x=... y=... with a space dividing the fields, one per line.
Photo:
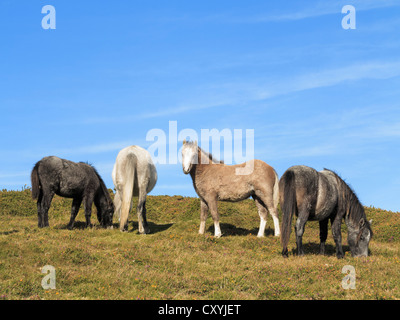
x=314 y=93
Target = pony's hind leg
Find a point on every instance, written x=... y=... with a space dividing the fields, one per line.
x=39 y=210
x=43 y=211
x=262 y=212
x=263 y=208
x=274 y=214
x=300 y=226
x=125 y=208
x=117 y=204
x=141 y=213
x=323 y=234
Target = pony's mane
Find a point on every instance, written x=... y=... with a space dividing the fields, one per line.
x=349 y=202
x=205 y=153
x=210 y=156
x=102 y=184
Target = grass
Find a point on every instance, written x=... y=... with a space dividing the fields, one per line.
x=174 y=262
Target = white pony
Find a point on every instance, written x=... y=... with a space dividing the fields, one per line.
x=134 y=174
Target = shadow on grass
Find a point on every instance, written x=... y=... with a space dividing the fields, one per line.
x=79 y=225
x=154 y=228
x=228 y=229
x=313 y=248
x=6 y=233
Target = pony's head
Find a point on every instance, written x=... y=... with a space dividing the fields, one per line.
x=189 y=155
x=104 y=204
x=107 y=213
x=359 y=237
x=359 y=231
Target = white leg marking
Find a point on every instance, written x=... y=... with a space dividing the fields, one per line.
x=276 y=226
x=261 y=231
x=217 y=232
x=202 y=227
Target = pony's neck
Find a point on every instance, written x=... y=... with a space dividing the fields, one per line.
x=202 y=161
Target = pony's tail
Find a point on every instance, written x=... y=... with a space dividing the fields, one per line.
x=288 y=206
x=128 y=173
x=35 y=182
x=275 y=194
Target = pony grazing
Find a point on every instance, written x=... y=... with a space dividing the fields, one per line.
x=322 y=196
x=79 y=181
x=213 y=181
x=134 y=174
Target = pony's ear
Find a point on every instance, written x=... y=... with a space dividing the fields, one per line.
x=195 y=143
x=184 y=141
x=370 y=222
x=361 y=223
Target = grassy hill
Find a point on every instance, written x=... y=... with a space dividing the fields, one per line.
x=174 y=262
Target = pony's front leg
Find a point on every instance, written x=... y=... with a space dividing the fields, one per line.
x=203 y=216
x=337 y=236
x=88 y=210
x=76 y=203
x=214 y=213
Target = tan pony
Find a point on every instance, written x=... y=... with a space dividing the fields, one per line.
x=213 y=180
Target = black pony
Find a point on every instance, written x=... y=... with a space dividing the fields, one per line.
x=322 y=196
x=79 y=181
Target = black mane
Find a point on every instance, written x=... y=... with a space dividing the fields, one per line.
x=103 y=185
x=349 y=202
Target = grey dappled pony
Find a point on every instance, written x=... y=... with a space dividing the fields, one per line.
x=322 y=196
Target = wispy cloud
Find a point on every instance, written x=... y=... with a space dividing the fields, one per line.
x=169 y=111
x=314 y=9
x=94 y=149
x=346 y=133
x=335 y=76
x=311 y=9
x=241 y=92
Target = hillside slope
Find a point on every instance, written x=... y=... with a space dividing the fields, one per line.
x=174 y=262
